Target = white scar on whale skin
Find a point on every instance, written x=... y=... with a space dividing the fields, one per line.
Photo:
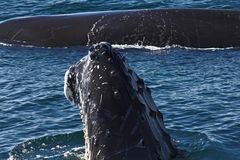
x=92 y=29
x=16 y=34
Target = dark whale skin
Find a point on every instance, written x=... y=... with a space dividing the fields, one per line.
x=199 y=28
x=120 y=118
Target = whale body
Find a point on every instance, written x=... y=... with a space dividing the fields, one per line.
x=198 y=28
x=120 y=118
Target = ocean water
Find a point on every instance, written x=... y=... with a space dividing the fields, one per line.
x=198 y=91
x=13 y=8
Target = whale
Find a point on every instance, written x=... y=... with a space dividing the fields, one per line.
x=198 y=28
x=120 y=118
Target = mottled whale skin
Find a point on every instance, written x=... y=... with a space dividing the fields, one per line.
x=199 y=28
x=120 y=118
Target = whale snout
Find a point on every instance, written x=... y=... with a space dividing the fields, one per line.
x=102 y=49
x=76 y=77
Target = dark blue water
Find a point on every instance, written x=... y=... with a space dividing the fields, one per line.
x=197 y=91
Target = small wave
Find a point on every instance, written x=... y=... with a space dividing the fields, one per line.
x=63 y=146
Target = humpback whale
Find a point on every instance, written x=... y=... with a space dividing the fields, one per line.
x=120 y=118
x=198 y=28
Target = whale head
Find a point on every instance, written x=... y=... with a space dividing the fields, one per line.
x=120 y=118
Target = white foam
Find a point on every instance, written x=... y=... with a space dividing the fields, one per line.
x=5 y=44
x=202 y=49
x=136 y=46
x=130 y=46
x=77 y=152
x=24 y=45
x=155 y=48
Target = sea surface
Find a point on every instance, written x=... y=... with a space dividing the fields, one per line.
x=198 y=91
